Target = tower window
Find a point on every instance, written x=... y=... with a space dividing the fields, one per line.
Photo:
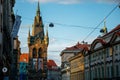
x=34 y=53
x=39 y=52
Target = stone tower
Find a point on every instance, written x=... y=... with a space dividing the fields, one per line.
x=37 y=44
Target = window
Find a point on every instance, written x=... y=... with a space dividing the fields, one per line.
x=1 y=1
x=102 y=72
x=98 y=72
x=117 y=70
x=39 y=52
x=116 y=49
x=111 y=71
x=95 y=72
x=119 y=48
x=99 y=55
x=107 y=52
x=102 y=53
x=34 y=53
x=108 y=71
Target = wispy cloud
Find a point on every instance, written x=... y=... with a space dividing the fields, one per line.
x=69 y=1
x=75 y=1
x=57 y=1
x=43 y=1
x=107 y=1
x=55 y=49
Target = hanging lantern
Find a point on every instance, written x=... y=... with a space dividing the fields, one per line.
x=51 y=25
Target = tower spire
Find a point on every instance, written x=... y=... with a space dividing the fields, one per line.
x=47 y=32
x=38 y=9
x=46 y=38
x=29 y=33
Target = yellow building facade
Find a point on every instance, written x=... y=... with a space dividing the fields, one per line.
x=77 y=67
x=77 y=61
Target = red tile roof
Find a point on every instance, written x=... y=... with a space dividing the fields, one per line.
x=51 y=64
x=78 y=46
x=24 y=57
x=113 y=30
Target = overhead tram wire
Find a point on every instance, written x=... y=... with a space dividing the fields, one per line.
x=66 y=25
x=102 y=21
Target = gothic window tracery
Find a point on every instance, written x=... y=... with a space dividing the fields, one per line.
x=39 y=52
x=34 y=53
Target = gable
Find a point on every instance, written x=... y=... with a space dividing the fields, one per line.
x=117 y=39
x=98 y=45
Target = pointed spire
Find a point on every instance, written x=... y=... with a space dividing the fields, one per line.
x=46 y=38
x=38 y=9
x=29 y=32
x=47 y=32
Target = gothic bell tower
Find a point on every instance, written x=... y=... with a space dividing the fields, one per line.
x=38 y=44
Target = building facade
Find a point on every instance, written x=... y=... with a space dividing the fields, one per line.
x=7 y=19
x=54 y=72
x=102 y=62
x=65 y=64
x=1 y=37
x=23 y=64
x=77 y=63
x=1 y=25
x=37 y=44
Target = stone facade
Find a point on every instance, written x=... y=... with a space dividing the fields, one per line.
x=1 y=37
x=68 y=70
x=37 y=44
x=54 y=72
x=7 y=19
x=77 y=63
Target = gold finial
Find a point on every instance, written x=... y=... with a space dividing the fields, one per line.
x=105 y=28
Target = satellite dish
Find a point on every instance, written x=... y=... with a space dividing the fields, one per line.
x=4 y=69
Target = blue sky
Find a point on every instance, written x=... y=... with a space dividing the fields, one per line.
x=71 y=19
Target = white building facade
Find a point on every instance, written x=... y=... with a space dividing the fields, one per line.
x=103 y=59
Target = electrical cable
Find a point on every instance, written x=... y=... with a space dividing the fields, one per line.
x=101 y=22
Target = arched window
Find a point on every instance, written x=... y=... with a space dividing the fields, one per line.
x=34 y=53
x=39 y=52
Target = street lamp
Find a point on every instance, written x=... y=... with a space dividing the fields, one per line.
x=51 y=25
